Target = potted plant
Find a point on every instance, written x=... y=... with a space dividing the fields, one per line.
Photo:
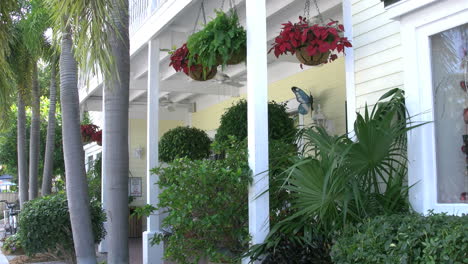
x=223 y=41
x=180 y=62
x=87 y=132
x=312 y=44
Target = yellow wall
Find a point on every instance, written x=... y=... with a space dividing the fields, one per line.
x=326 y=83
x=137 y=135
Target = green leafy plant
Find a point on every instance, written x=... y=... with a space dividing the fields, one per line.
x=12 y=245
x=94 y=176
x=44 y=226
x=222 y=41
x=436 y=238
x=8 y=144
x=207 y=201
x=179 y=142
x=234 y=123
x=337 y=181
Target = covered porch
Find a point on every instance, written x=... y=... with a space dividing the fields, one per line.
x=161 y=98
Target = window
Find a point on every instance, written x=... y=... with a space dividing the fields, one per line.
x=89 y=163
x=449 y=64
x=433 y=38
x=389 y=2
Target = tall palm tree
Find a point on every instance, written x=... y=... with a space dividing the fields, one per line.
x=20 y=64
x=116 y=100
x=34 y=135
x=76 y=185
x=100 y=34
x=34 y=24
x=50 y=141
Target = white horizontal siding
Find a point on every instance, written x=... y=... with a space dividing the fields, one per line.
x=377 y=46
x=378 y=62
x=362 y=5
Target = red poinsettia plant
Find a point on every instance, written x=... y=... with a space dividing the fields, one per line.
x=90 y=133
x=311 y=41
x=97 y=137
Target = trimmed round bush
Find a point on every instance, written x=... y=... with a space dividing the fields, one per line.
x=436 y=238
x=234 y=123
x=184 y=142
x=44 y=225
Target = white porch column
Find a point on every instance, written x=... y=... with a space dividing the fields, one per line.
x=257 y=98
x=103 y=245
x=349 y=67
x=152 y=254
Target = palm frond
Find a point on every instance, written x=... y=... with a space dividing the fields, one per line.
x=91 y=22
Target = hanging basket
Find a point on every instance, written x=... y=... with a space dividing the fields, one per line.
x=317 y=59
x=86 y=139
x=238 y=57
x=196 y=73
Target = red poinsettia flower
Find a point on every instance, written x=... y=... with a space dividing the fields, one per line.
x=88 y=132
x=315 y=38
x=97 y=137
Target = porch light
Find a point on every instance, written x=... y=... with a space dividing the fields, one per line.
x=138 y=152
x=319 y=118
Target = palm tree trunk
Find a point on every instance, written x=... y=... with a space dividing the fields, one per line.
x=34 y=136
x=22 y=152
x=76 y=184
x=50 y=143
x=116 y=128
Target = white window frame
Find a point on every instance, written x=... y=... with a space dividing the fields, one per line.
x=416 y=29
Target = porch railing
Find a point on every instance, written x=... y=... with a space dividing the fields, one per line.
x=140 y=10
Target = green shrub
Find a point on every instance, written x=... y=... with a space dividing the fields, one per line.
x=436 y=238
x=44 y=225
x=208 y=214
x=234 y=123
x=94 y=180
x=12 y=245
x=180 y=142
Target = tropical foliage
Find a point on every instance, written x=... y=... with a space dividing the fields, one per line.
x=44 y=226
x=180 y=142
x=207 y=201
x=411 y=238
x=8 y=144
x=337 y=181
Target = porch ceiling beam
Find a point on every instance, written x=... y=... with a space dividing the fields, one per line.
x=181 y=97
x=135 y=94
x=183 y=86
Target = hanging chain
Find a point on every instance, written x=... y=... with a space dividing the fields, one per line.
x=200 y=11
x=307 y=9
x=319 y=15
x=232 y=5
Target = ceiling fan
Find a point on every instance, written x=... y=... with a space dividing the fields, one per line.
x=166 y=103
x=223 y=78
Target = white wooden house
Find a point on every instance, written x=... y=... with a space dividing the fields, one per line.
x=416 y=45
